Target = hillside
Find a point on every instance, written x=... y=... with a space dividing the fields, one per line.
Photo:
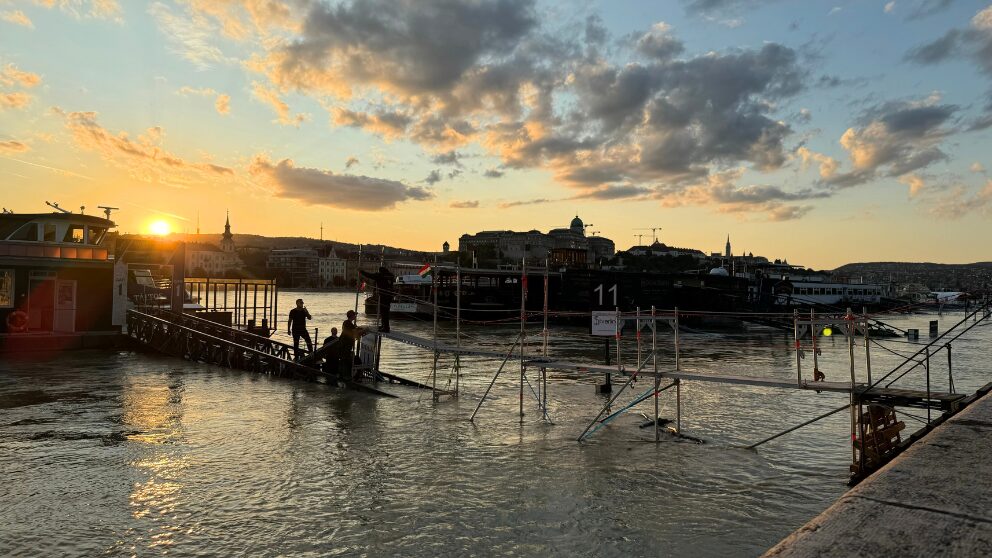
x=938 y=277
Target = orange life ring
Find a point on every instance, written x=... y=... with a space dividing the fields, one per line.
x=17 y=321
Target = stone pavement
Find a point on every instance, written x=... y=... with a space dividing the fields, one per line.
x=934 y=499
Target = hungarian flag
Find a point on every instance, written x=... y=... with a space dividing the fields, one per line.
x=425 y=271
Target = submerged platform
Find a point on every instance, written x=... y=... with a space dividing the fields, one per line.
x=902 y=397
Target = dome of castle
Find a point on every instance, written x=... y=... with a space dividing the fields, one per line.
x=576 y=223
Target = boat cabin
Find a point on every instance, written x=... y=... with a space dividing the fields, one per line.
x=56 y=276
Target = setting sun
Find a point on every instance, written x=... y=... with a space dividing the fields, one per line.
x=160 y=228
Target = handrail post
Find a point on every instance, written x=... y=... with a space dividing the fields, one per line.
x=950 y=375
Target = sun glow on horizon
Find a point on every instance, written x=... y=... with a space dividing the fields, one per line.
x=159 y=228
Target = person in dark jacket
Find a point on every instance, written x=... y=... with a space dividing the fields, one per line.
x=298 y=326
x=345 y=354
x=384 y=288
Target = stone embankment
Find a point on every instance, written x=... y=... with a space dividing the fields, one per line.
x=934 y=499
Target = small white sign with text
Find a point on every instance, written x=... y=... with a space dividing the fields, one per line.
x=604 y=323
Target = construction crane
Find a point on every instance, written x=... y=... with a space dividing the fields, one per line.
x=594 y=233
x=640 y=239
x=654 y=232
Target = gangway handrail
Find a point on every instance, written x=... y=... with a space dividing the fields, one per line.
x=261 y=338
x=220 y=339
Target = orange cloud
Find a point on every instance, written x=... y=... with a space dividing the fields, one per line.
x=98 y=9
x=10 y=76
x=14 y=100
x=223 y=104
x=13 y=147
x=271 y=97
x=828 y=165
x=222 y=101
x=142 y=156
x=17 y=17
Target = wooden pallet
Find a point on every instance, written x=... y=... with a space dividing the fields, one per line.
x=879 y=438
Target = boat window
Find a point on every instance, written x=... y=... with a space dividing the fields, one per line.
x=6 y=288
x=74 y=234
x=96 y=234
x=50 y=231
x=28 y=232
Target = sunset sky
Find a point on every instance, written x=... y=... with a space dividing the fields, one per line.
x=821 y=132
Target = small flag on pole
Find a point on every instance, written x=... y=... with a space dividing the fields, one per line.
x=425 y=271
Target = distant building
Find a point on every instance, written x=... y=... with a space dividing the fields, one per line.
x=661 y=249
x=568 y=246
x=227 y=240
x=212 y=261
x=726 y=251
x=330 y=267
x=299 y=266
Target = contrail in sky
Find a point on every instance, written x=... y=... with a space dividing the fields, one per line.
x=54 y=169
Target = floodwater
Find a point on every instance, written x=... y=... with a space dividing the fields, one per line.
x=121 y=453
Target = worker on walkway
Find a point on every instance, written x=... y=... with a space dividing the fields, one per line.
x=298 y=327
x=384 y=290
x=350 y=333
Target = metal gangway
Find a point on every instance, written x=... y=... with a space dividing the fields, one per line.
x=197 y=339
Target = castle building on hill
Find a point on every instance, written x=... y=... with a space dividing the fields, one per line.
x=568 y=246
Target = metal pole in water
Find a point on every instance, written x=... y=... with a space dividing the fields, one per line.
x=867 y=335
x=637 y=331
x=458 y=323
x=927 y=366
x=850 y=350
x=434 y=285
x=654 y=362
x=523 y=329
x=799 y=358
x=544 y=352
x=678 y=383
x=812 y=336
x=358 y=277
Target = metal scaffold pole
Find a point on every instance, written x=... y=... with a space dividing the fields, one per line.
x=358 y=277
x=434 y=285
x=523 y=329
x=854 y=406
x=544 y=349
x=654 y=363
x=799 y=354
x=867 y=336
x=458 y=324
x=812 y=331
x=678 y=383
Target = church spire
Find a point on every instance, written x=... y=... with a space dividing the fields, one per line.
x=727 y=250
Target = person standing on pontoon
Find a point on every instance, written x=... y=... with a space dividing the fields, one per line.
x=384 y=288
x=298 y=327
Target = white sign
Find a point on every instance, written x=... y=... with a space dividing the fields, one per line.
x=604 y=323
x=410 y=307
